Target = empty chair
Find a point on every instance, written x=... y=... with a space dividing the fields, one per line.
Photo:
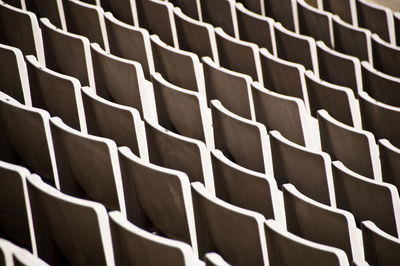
x=337 y=68
x=287 y=249
x=283 y=11
x=22 y=257
x=134 y=246
x=386 y=56
x=376 y=18
x=87 y=20
x=181 y=153
x=26 y=139
x=66 y=226
x=182 y=111
x=337 y=100
x=119 y=80
x=220 y=13
x=59 y=94
x=351 y=40
x=314 y=22
x=190 y=8
x=256 y=28
x=380 y=248
x=231 y=88
x=296 y=48
x=15 y=222
x=283 y=77
x=195 y=36
x=117 y=122
x=237 y=55
x=129 y=42
x=52 y=10
x=213 y=259
x=20 y=29
x=309 y=171
x=285 y=114
x=380 y=86
x=124 y=11
x=241 y=140
x=322 y=224
x=380 y=119
x=345 y=9
x=158 y=199
x=87 y=166
x=355 y=148
x=390 y=156
x=67 y=53
x=14 y=76
x=158 y=18
x=247 y=189
x=236 y=234
x=178 y=67
x=367 y=199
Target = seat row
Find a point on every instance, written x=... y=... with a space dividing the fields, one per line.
x=55 y=226
x=69 y=159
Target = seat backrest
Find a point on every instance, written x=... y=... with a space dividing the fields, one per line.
x=367 y=199
x=26 y=139
x=380 y=86
x=231 y=88
x=158 y=18
x=220 y=13
x=245 y=188
x=355 y=148
x=182 y=111
x=335 y=227
x=235 y=233
x=256 y=28
x=380 y=248
x=296 y=47
x=122 y=37
x=14 y=76
x=238 y=55
x=315 y=22
x=121 y=123
x=59 y=94
x=337 y=100
x=351 y=40
x=86 y=20
x=158 y=199
x=380 y=119
x=283 y=76
x=287 y=249
x=20 y=29
x=87 y=166
x=195 y=36
x=118 y=80
x=135 y=246
x=66 y=226
x=308 y=170
x=67 y=53
x=181 y=153
x=178 y=67
x=377 y=18
x=241 y=140
x=285 y=114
